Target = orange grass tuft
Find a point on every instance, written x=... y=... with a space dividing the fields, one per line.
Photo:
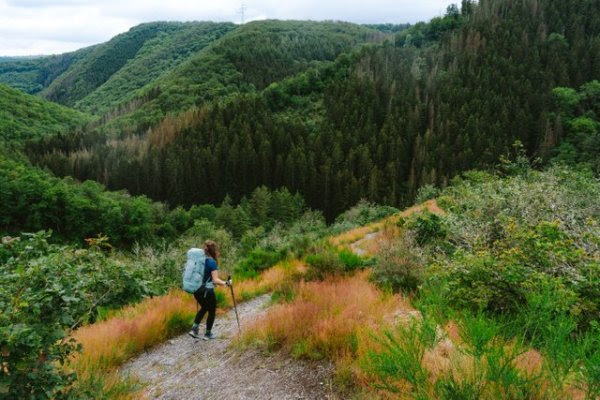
x=268 y=281
x=109 y=343
x=325 y=317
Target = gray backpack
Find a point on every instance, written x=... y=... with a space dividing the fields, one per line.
x=193 y=273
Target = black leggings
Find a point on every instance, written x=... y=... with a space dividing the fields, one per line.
x=208 y=303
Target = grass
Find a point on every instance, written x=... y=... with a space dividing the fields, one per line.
x=344 y=240
x=133 y=329
x=109 y=343
x=383 y=348
x=315 y=320
x=325 y=318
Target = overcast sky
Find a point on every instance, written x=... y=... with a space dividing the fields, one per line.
x=32 y=27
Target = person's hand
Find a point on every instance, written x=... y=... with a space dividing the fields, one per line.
x=228 y=282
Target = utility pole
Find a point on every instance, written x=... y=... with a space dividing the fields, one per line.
x=243 y=13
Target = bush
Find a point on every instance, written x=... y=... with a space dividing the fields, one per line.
x=427 y=227
x=426 y=192
x=350 y=261
x=38 y=305
x=323 y=263
x=400 y=264
x=361 y=214
x=400 y=359
x=258 y=260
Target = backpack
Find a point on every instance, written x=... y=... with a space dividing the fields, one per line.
x=193 y=272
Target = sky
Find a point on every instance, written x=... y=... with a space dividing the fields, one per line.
x=34 y=27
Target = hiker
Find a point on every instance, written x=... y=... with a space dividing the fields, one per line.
x=205 y=295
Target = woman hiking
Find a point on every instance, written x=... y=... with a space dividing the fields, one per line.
x=205 y=295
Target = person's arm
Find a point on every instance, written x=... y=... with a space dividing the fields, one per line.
x=215 y=278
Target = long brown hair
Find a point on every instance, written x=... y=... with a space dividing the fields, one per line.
x=210 y=246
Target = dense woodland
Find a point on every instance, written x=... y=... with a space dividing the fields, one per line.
x=24 y=117
x=377 y=123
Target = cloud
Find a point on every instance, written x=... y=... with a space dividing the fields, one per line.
x=55 y=26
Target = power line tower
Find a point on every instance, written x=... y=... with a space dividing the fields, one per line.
x=242 y=13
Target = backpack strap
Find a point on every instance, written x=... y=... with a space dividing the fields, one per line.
x=209 y=279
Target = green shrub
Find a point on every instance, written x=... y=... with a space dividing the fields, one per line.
x=361 y=214
x=427 y=227
x=349 y=260
x=258 y=260
x=38 y=304
x=324 y=262
x=400 y=358
x=426 y=192
x=400 y=265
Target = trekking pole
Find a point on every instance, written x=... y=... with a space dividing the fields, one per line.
x=235 y=306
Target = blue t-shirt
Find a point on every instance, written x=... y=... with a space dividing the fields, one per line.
x=209 y=266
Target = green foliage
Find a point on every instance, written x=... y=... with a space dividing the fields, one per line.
x=400 y=358
x=73 y=211
x=361 y=214
x=423 y=34
x=203 y=211
x=515 y=265
x=127 y=62
x=25 y=117
x=295 y=102
x=514 y=242
x=258 y=260
x=426 y=192
x=158 y=56
x=33 y=74
x=400 y=265
x=388 y=28
x=246 y=58
x=578 y=114
x=349 y=260
x=325 y=262
x=47 y=290
x=79 y=211
x=427 y=227
x=38 y=305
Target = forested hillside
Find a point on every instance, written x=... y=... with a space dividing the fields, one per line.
x=33 y=74
x=378 y=123
x=107 y=59
x=245 y=60
x=171 y=46
x=23 y=116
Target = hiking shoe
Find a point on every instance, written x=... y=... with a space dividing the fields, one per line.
x=208 y=336
x=194 y=333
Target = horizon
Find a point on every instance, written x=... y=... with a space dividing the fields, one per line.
x=25 y=56
x=36 y=28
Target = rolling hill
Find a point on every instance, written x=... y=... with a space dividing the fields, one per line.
x=23 y=116
x=246 y=59
x=378 y=123
x=34 y=74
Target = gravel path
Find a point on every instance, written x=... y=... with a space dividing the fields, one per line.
x=356 y=246
x=184 y=368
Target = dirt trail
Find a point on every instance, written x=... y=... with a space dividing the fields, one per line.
x=367 y=245
x=184 y=368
